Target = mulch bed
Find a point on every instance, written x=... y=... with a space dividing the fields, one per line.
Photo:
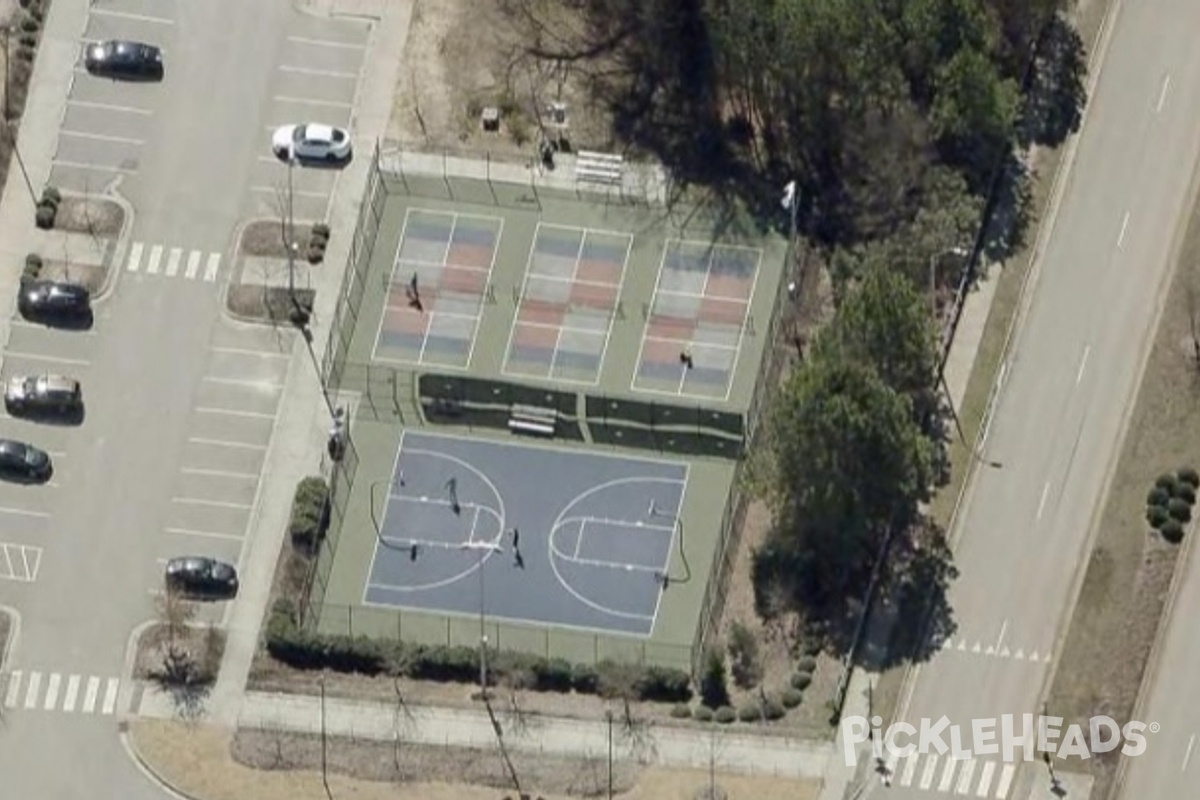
x=269 y=304
x=265 y=238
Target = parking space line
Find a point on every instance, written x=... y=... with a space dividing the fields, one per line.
x=283 y=98
x=56 y=454
x=232 y=413
x=297 y=192
x=107 y=12
x=193 y=264
x=269 y=160
x=240 y=382
x=325 y=43
x=223 y=443
x=23 y=512
x=110 y=107
x=324 y=73
x=52 y=359
x=173 y=261
x=103 y=138
x=220 y=473
x=209 y=534
x=20 y=323
x=242 y=351
x=94 y=167
x=196 y=501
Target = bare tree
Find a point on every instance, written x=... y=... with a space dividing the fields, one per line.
x=499 y=731
x=636 y=735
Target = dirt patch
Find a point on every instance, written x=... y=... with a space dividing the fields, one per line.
x=90 y=276
x=94 y=216
x=271 y=304
x=195 y=649
x=462 y=56
x=197 y=760
x=266 y=238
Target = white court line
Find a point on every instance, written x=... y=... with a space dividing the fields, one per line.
x=210 y=269
x=110 y=107
x=52 y=687
x=220 y=473
x=196 y=501
x=94 y=167
x=31 y=689
x=72 y=695
x=242 y=382
x=598 y=562
x=560 y=328
x=102 y=138
x=230 y=537
x=271 y=190
x=135 y=256
x=325 y=43
x=89 y=696
x=14 y=689
x=445 y=314
x=155 y=257
x=282 y=98
x=52 y=359
x=127 y=15
x=579 y=539
x=110 y=696
x=693 y=343
x=222 y=443
x=323 y=73
x=23 y=512
x=193 y=264
x=242 y=351
x=173 y=261
x=232 y=413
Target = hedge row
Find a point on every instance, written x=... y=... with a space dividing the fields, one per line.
x=304 y=649
x=308 y=512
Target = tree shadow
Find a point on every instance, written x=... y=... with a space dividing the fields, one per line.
x=1055 y=95
x=1009 y=214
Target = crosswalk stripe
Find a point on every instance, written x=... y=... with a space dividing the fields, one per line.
x=155 y=257
x=72 y=694
x=889 y=769
x=930 y=769
x=985 y=778
x=52 y=691
x=910 y=769
x=135 y=256
x=1006 y=779
x=89 y=698
x=947 y=775
x=31 y=689
x=210 y=269
x=14 y=689
x=173 y=261
x=964 y=777
x=193 y=264
x=110 y=696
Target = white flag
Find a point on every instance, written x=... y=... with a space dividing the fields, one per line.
x=789 y=195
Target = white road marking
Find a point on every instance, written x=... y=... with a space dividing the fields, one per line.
x=930 y=769
x=1188 y=755
x=1082 y=364
x=1000 y=639
x=219 y=473
x=23 y=512
x=1162 y=94
x=1124 y=227
x=232 y=413
x=221 y=443
x=110 y=696
x=135 y=256
x=103 y=138
x=210 y=269
x=910 y=768
x=89 y=695
x=324 y=73
x=52 y=359
x=155 y=257
x=14 y=689
x=283 y=98
x=196 y=501
x=231 y=537
x=985 y=778
x=947 y=775
x=1042 y=502
x=271 y=190
x=242 y=351
x=964 y=777
x=72 y=694
x=325 y=43
x=269 y=160
x=31 y=689
x=127 y=15
x=240 y=382
x=94 y=167
x=110 y=107
x=52 y=692
x=193 y=265
x=1006 y=778
x=173 y=261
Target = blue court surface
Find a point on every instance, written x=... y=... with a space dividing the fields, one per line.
x=593 y=534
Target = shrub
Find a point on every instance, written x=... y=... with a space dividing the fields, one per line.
x=1172 y=531
x=585 y=679
x=26 y=54
x=1186 y=492
x=1157 y=515
x=617 y=680
x=445 y=664
x=743 y=655
x=713 y=692
x=33 y=267
x=750 y=712
x=702 y=714
x=51 y=196
x=772 y=709
x=810 y=647
x=28 y=41
x=664 y=685
x=1157 y=496
x=801 y=680
x=315 y=253
x=1180 y=509
x=806 y=664
x=1189 y=476
x=553 y=675
x=354 y=654
x=791 y=697
x=43 y=217
x=681 y=711
x=320 y=231
x=725 y=715
x=309 y=504
x=1167 y=482
x=30 y=25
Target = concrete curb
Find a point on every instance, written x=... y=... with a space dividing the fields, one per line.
x=120 y=244
x=14 y=634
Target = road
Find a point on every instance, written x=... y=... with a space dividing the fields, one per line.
x=1024 y=527
x=180 y=402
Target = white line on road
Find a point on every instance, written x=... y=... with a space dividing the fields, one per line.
x=110 y=107
x=283 y=98
x=268 y=160
x=324 y=73
x=930 y=769
x=1042 y=502
x=52 y=359
x=94 y=167
x=89 y=696
x=155 y=258
x=1188 y=755
x=947 y=775
x=193 y=265
x=72 y=695
x=110 y=696
x=14 y=689
x=242 y=351
x=52 y=687
x=1082 y=364
x=196 y=501
x=1000 y=638
x=1124 y=227
x=232 y=413
x=208 y=534
x=135 y=256
x=271 y=190
x=964 y=777
x=23 y=512
x=1006 y=778
x=103 y=138
x=910 y=769
x=210 y=269
x=31 y=689
x=241 y=382
x=1162 y=95
x=173 y=261
x=222 y=443
x=220 y=473
x=985 y=778
x=324 y=43
x=127 y=15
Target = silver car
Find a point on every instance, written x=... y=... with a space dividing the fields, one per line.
x=43 y=394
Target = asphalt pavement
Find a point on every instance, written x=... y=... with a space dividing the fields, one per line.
x=1024 y=528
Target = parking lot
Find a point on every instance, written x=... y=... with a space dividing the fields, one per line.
x=229 y=429
x=315 y=80
x=105 y=123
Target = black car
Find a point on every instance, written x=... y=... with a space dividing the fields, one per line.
x=198 y=576
x=24 y=461
x=43 y=394
x=54 y=299
x=118 y=59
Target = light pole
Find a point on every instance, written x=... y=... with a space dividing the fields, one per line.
x=484 y=549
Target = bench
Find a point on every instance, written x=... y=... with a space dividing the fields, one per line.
x=599 y=167
x=598 y=174
x=529 y=426
x=535 y=413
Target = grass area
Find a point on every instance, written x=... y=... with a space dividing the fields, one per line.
x=1129 y=571
x=198 y=762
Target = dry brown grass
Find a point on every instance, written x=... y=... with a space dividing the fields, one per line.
x=197 y=760
x=267 y=303
x=90 y=276
x=265 y=238
x=94 y=216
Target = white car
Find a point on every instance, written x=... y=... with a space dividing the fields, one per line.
x=311 y=142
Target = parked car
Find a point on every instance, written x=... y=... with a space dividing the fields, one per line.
x=199 y=576
x=38 y=394
x=311 y=142
x=122 y=59
x=22 y=461
x=52 y=299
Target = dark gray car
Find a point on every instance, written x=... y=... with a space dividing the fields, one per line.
x=200 y=576
x=120 y=59
x=24 y=462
